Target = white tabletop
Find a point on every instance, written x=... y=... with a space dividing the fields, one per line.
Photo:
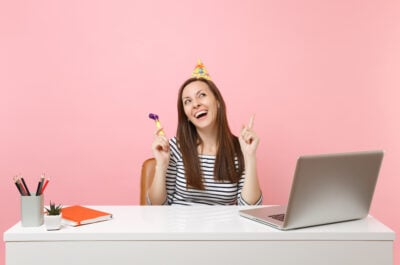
x=194 y=223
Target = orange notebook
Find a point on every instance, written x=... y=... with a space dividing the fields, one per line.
x=79 y=215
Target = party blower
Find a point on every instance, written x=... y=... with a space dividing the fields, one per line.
x=158 y=124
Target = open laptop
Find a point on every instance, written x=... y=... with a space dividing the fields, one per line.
x=326 y=188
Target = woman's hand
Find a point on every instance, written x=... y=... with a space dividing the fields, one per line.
x=160 y=148
x=248 y=139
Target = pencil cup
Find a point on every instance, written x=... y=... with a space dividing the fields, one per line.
x=32 y=210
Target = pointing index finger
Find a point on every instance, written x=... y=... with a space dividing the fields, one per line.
x=251 y=122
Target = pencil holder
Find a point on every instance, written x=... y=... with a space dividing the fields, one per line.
x=32 y=210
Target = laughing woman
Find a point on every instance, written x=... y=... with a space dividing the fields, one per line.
x=205 y=164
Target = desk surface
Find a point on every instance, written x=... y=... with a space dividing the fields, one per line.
x=194 y=223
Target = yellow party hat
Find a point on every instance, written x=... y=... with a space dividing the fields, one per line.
x=200 y=71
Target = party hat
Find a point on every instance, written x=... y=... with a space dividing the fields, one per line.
x=200 y=71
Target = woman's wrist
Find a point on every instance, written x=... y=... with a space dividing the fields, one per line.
x=161 y=167
x=250 y=158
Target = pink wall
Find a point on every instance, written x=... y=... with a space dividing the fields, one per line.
x=78 y=78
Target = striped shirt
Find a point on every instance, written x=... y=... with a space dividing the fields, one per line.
x=214 y=193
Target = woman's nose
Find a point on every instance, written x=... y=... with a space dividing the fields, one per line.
x=196 y=104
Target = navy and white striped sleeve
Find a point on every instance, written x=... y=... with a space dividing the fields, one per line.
x=171 y=171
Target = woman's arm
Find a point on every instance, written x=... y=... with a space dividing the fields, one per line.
x=251 y=191
x=249 y=141
x=157 y=193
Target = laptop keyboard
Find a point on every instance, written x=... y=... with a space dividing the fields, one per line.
x=279 y=217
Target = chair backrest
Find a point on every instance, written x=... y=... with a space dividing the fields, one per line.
x=147 y=175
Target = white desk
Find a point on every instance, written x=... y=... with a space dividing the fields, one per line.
x=197 y=235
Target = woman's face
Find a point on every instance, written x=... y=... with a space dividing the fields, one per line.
x=200 y=105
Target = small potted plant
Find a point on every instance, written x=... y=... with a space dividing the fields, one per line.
x=52 y=219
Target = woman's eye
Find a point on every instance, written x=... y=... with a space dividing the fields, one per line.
x=202 y=95
x=186 y=101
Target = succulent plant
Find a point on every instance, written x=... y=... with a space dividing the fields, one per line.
x=53 y=209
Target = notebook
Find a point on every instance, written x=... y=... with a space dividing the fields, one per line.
x=326 y=189
x=79 y=215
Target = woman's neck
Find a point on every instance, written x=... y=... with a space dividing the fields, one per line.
x=209 y=145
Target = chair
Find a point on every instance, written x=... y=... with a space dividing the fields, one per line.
x=147 y=175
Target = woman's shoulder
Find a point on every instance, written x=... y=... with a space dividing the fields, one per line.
x=173 y=141
x=173 y=144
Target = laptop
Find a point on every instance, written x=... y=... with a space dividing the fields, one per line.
x=327 y=188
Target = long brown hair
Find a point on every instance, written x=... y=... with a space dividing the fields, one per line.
x=228 y=144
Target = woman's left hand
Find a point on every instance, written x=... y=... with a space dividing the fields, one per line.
x=248 y=139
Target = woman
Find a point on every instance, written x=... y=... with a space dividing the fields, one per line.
x=205 y=163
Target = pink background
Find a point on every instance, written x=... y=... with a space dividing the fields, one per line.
x=78 y=79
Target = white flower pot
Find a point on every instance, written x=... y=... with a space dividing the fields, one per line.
x=52 y=222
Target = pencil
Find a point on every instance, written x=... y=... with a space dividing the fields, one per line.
x=40 y=185
x=24 y=193
x=18 y=187
x=26 y=187
x=44 y=186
